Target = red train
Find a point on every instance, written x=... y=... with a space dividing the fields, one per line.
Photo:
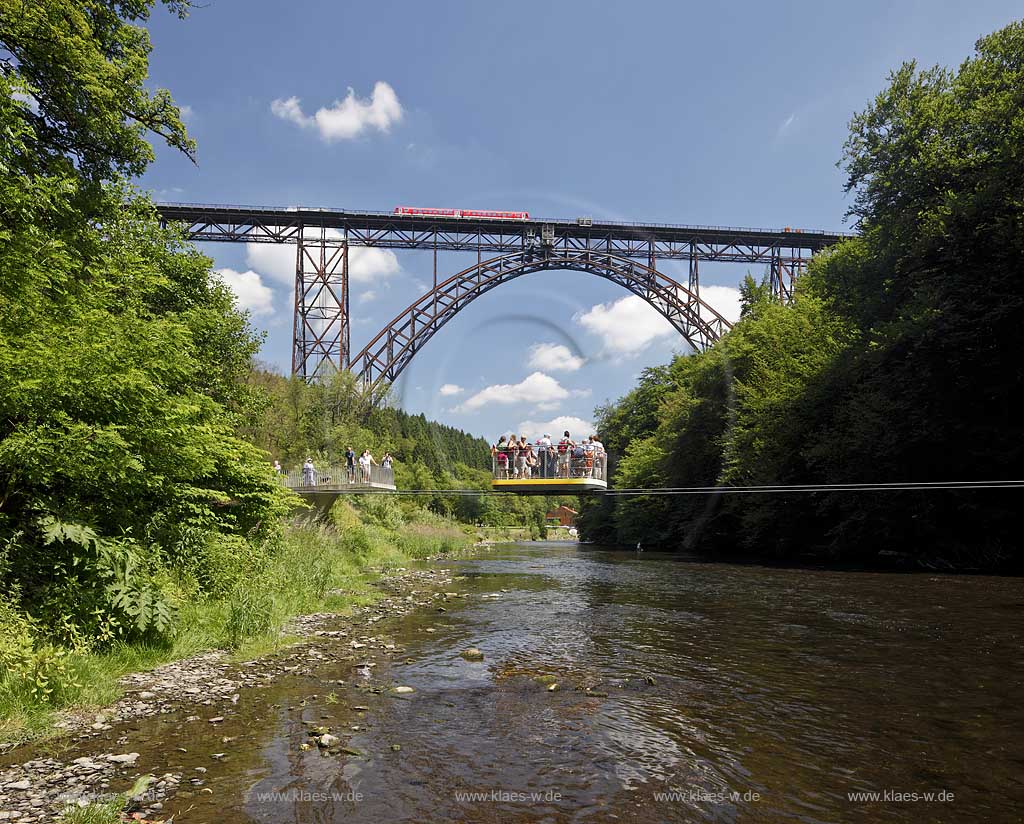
x=485 y=213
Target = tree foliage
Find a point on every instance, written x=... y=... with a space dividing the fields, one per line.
x=123 y=365
x=897 y=361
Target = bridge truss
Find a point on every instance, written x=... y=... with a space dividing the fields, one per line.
x=626 y=253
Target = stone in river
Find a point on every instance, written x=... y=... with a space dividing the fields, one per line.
x=472 y=654
x=327 y=740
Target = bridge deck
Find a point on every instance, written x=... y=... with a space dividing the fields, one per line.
x=366 y=228
x=337 y=480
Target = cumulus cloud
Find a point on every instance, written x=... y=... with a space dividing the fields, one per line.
x=186 y=112
x=449 y=389
x=626 y=326
x=579 y=427
x=554 y=357
x=365 y=264
x=250 y=292
x=536 y=388
x=367 y=296
x=345 y=119
x=629 y=325
x=725 y=299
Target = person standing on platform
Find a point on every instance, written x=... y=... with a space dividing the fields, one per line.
x=350 y=464
x=544 y=457
x=565 y=447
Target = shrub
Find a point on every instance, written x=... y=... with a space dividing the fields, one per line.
x=226 y=561
x=250 y=609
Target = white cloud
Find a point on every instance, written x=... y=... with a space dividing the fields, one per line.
x=186 y=112
x=250 y=292
x=449 y=389
x=366 y=264
x=555 y=427
x=725 y=299
x=290 y=110
x=785 y=126
x=554 y=357
x=626 y=326
x=346 y=119
x=629 y=325
x=536 y=388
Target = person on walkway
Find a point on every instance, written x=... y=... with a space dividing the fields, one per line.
x=578 y=460
x=365 y=462
x=387 y=461
x=308 y=473
x=499 y=452
x=350 y=464
x=521 y=449
x=565 y=447
x=600 y=457
x=277 y=467
x=545 y=465
x=530 y=459
x=588 y=457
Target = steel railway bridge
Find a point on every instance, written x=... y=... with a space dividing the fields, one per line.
x=504 y=249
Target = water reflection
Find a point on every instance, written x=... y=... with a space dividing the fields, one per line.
x=789 y=688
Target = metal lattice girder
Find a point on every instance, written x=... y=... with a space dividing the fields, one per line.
x=386 y=356
x=382 y=229
x=320 y=335
x=610 y=250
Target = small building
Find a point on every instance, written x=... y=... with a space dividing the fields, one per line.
x=562 y=515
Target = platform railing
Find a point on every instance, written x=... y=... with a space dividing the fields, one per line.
x=540 y=462
x=334 y=476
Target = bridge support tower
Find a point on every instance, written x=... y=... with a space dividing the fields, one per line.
x=320 y=333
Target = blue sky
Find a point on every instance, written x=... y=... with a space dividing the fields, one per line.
x=653 y=111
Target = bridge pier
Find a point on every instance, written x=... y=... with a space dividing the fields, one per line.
x=320 y=334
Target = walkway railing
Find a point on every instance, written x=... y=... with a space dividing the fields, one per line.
x=538 y=462
x=334 y=477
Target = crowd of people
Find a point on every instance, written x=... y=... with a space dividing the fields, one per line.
x=519 y=459
x=355 y=468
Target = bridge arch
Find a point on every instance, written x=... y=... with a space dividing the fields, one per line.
x=384 y=358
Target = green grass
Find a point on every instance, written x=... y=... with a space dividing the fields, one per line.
x=98 y=812
x=315 y=568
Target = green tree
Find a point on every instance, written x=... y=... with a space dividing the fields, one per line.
x=122 y=362
x=895 y=363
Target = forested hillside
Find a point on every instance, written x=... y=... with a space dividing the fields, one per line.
x=898 y=360
x=321 y=419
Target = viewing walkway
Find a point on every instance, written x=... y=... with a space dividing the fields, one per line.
x=542 y=470
x=323 y=486
x=337 y=479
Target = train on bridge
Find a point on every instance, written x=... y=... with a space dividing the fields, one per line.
x=416 y=211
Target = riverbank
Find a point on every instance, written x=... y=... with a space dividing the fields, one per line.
x=329 y=569
x=604 y=684
x=80 y=777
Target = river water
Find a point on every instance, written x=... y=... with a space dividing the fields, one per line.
x=686 y=691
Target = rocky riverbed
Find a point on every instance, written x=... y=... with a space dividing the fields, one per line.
x=36 y=784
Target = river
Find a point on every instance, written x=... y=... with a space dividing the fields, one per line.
x=685 y=691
